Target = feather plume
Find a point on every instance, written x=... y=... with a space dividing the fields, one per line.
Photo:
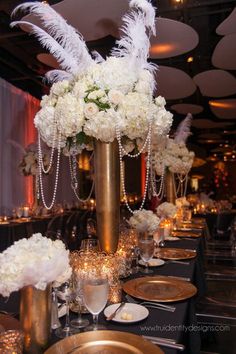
x=61 y=31
x=66 y=61
x=135 y=43
x=149 y=11
x=97 y=57
x=17 y=146
x=183 y=131
x=57 y=75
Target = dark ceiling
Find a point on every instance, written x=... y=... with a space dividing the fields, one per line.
x=19 y=64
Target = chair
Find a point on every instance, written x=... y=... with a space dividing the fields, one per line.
x=56 y=227
x=72 y=231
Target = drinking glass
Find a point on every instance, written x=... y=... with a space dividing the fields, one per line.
x=66 y=294
x=79 y=322
x=19 y=212
x=90 y=244
x=146 y=247
x=95 y=289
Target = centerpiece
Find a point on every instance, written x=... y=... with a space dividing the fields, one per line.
x=105 y=103
x=31 y=265
x=172 y=158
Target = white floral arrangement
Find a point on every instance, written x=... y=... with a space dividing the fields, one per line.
x=144 y=221
x=166 y=210
x=175 y=156
x=182 y=202
x=98 y=98
x=36 y=261
x=29 y=164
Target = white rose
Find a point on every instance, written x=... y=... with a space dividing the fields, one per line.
x=115 y=96
x=90 y=109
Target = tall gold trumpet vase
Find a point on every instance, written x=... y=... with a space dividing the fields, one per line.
x=35 y=318
x=170 y=187
x=107 y=191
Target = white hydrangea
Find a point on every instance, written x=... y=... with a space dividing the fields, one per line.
x=166 y=210
x=45 y=122
x=144 y=221
x=114 y=73
x=137 y=111
x=176 y=157
x=60 y=88
x=36 y=261
x=102 y=126
x=69 y=114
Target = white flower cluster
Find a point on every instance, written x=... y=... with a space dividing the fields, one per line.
x=144 y=221
x=29 y=163
x=109 y=94
x=176 y=157
x=35 y=261
x=166 y=210
x=182 y=202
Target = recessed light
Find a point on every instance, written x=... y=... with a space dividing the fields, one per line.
x=190 y=60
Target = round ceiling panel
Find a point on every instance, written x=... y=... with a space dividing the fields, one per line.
x=208 y=124
x=173 y=38
x=228 y=25
x=224 y=109
x=224 y=54
x=173 y=83
x=185 y=108
x=208 y=83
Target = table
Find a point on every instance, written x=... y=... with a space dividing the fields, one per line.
x=180 y=325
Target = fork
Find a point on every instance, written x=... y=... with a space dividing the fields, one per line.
x=151 y=304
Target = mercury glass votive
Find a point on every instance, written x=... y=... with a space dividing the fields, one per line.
x=11 y=342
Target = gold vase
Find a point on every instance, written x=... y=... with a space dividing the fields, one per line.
x=107 y=191
x=35 y=318
x=170 y=187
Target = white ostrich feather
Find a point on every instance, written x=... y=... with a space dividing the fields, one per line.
x=66 y=61
x=183 y=131
x=149 y=11
x=61 y=31
x=135 y=43
x=97 y=57
x=58 y=75
x=17 y=146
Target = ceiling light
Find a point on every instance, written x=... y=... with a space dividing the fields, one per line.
x=162 y=48
x=190 y=60
x=221 y=104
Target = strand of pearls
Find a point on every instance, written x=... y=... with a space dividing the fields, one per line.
x=46 y=170
x=154 y=182
x=148 y=164
x=74 y=180
x=48 y=207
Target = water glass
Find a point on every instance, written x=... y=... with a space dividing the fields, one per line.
x=79 y=322
x=95 y=289
x=147 y=248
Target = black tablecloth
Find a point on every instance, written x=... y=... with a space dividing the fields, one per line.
x=180 y=325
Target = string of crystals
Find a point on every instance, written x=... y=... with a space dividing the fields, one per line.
x=148 y=164
x=182 y=186
x=74 y=180
x=40 y=163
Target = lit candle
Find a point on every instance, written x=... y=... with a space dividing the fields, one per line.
x=26 y=212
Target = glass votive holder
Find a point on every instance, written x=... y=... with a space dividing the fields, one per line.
x=11 y=342
x=115 y=293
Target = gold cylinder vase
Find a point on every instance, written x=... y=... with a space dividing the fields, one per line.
x=107 y=191
x=170 y=187
x=35 y=318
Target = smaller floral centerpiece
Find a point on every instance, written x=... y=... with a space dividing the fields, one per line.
x=28 y=165
x=172 y=154
x=166 y=210
x=144 y=221
x=36 y=261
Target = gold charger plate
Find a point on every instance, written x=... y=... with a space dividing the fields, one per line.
x=160 y=288
x=186 y=234
x=112 y=342
x=175 y=254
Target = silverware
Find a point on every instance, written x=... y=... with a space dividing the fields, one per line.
x=166 y=343
x=151 y=304
x=178 y=262
x=112 y=315
x=181 y=278
x=169 y=340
